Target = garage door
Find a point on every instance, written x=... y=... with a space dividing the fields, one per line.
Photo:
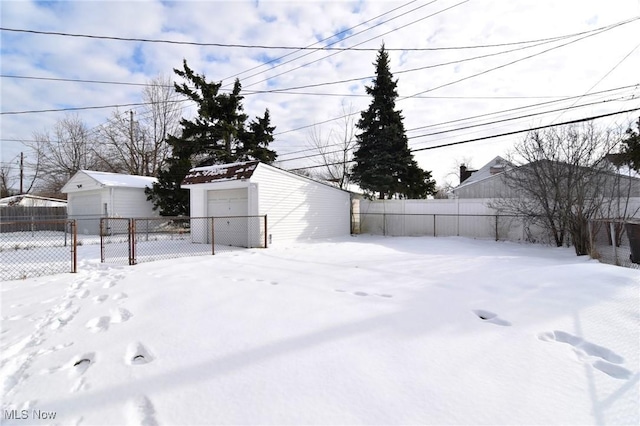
x=230 y=206
x=87 y=210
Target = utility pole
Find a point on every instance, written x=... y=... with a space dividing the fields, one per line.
x=21 y=172
x=131 y=126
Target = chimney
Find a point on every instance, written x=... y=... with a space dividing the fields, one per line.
x=464 y=173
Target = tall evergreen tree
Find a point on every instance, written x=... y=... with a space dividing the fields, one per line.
x=631 y=147
x=384 y=164
x=217 y=135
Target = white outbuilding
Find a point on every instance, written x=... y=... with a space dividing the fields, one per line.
x=92 y=195
x=297 y=208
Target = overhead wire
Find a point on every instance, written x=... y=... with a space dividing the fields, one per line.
x=531 y=129
x=456 y=129
x=358 y=44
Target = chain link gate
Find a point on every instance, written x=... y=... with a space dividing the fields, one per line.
x=136 y=240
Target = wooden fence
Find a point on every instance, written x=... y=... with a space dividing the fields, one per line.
x=22 y=214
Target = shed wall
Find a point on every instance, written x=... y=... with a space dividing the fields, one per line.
x=130 y=202
x=298 y=208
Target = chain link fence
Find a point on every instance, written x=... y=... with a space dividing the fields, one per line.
x=37 y=248
x=616 y=241
x=135 y=240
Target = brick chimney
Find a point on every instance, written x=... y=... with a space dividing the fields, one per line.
x=464 y=173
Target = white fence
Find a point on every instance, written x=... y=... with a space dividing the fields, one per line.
x=471 y=218
x=453 y=217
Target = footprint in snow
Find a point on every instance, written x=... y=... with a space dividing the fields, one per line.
x=491 y=317
x=608 y=359
x=138 y=354
x=83 y=294
x=80 y=363
x=119 y=296
x=101 y=298
x=120 y=315
x=62 y=320
x=98 y=324
x=109 y=284
x=360 y=293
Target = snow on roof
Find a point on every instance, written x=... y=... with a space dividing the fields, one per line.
x=122 y=180
x=493 y=167
x=220 y=172
x=28 y=200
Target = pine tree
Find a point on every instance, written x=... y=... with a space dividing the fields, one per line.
x=217 y=135
x=384 y=164
x=631 y=147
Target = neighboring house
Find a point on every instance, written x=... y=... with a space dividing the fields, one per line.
x=92 y=195
x=488 y=181
x=28 y=200
x=485 y=182
x=297 y=207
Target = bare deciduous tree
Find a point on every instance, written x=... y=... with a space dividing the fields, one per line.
x=453 y=178
x=56 y=156
x=562 y=181
x=136 y=143
x=335 y=151
x=7 y=179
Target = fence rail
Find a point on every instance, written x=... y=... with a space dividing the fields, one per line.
x=36 y=248
x=135 y=240
x=488 y=226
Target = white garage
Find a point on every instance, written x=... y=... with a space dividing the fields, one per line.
x=92 y=195
x=297 y=208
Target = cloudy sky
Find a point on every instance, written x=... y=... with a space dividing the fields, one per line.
x=463 y=70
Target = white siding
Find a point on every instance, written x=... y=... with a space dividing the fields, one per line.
x=87 y=207
x=298 y=208
x=130 y=202
x=81 y=182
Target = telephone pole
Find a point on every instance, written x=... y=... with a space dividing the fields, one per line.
x=21 y=172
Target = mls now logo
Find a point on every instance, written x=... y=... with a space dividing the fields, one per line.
x=25 y=414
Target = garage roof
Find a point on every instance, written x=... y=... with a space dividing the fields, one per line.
x=221 y=172
x=117 y=179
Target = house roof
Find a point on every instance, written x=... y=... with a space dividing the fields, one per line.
x=120 y=180
x=28 y=200
x=492 y=168
x=220 y=172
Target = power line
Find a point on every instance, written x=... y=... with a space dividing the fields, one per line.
x=488 y=114
x=521 y=59
x=358 y=44
x=459 y=128
x=475 y=75
x=89 y=107
x=581 y=120
x=266 y=47
x=285 y=90
x=323 y=40
x=605 y=76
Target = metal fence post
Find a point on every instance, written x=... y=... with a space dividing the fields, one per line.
x=496 y=227
x=614 y=238
x=384 y=224
x=102 y=237
x=213 y=233
x=434 y=225
x=74 y=256
x=132 y=242
x=265 y=231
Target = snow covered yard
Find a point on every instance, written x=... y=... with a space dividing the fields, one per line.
x=362 y=330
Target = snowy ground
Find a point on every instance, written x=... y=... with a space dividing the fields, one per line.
x=363 y=330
